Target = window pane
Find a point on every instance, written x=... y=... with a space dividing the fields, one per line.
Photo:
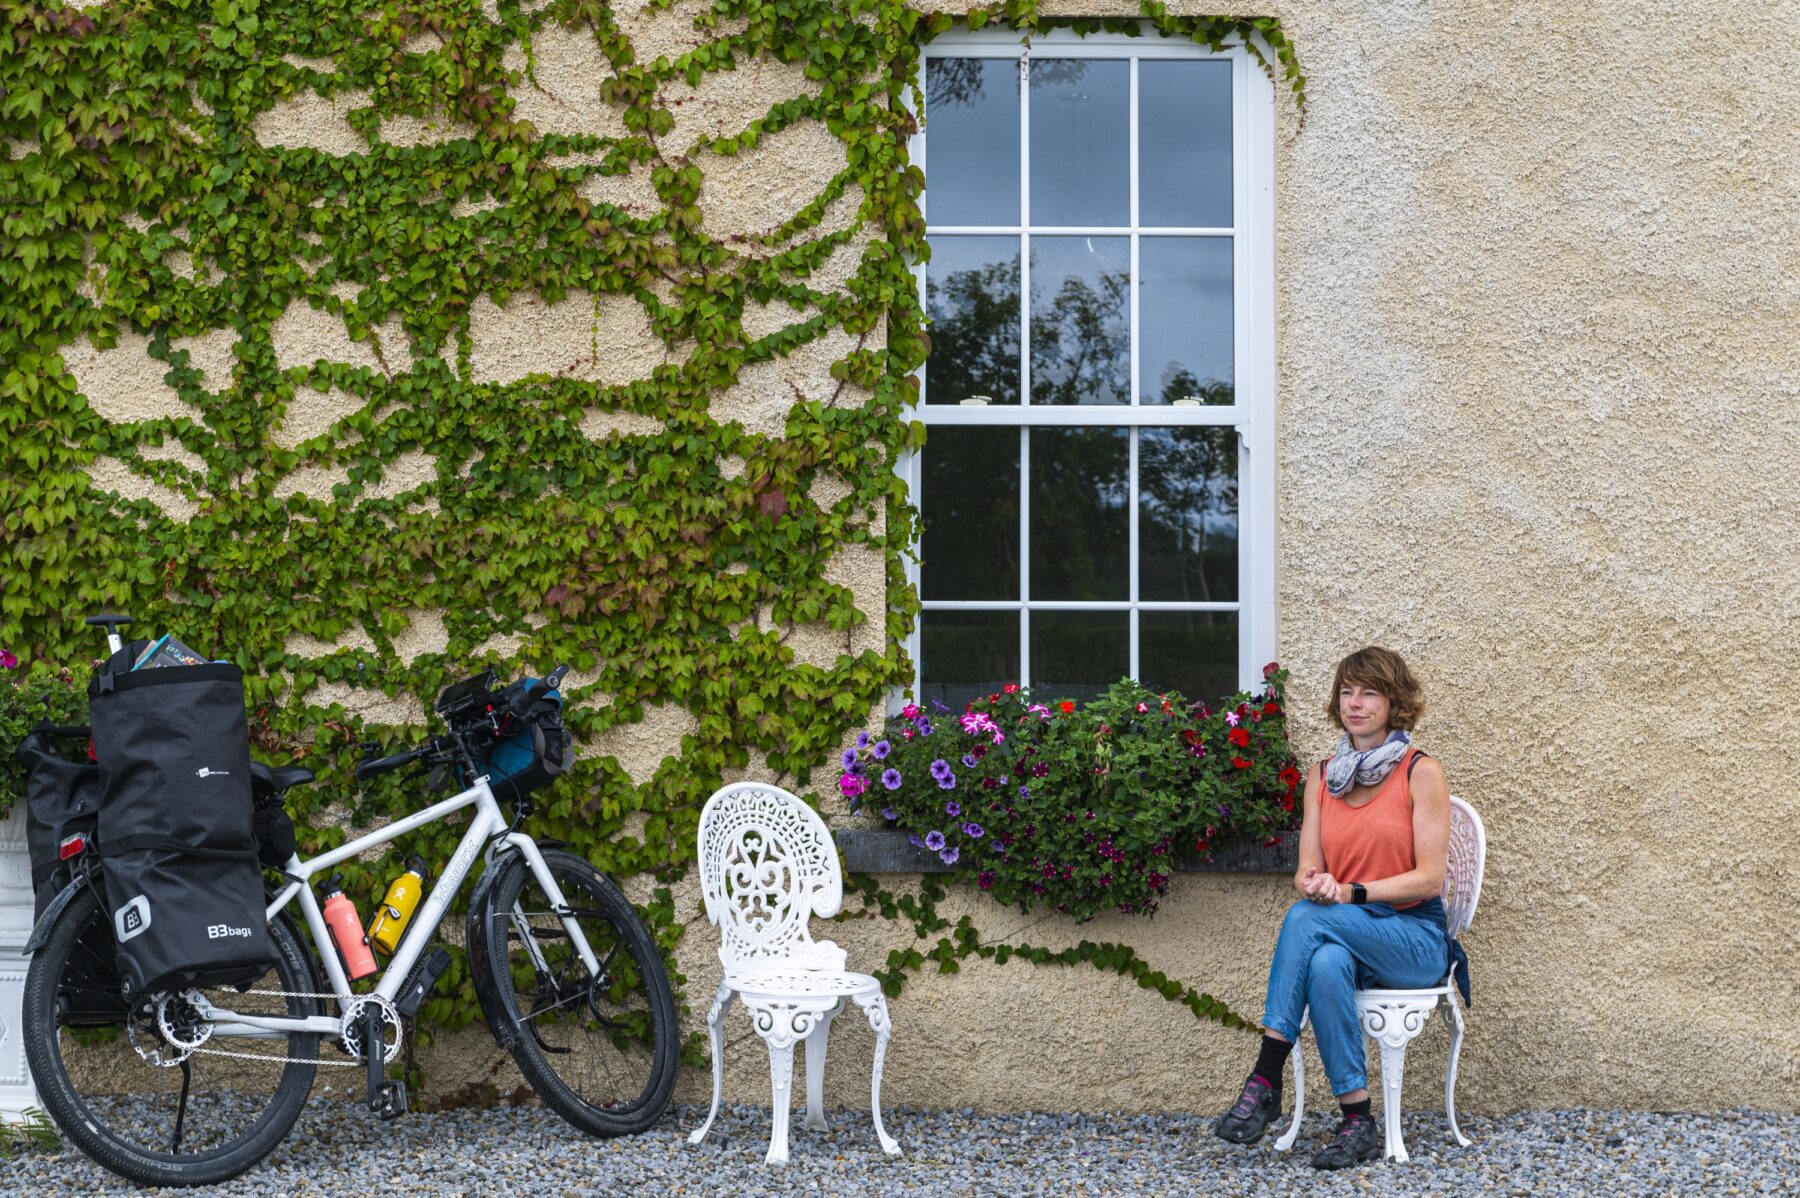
x=1078 y=654
x=1080 y=524
x=1194 y=652
x=970 y=510
x=965 y=654
x=972 y=123
x=1080 y=320
x=1080 y=141
x=1184 y=308
x=1187 y=515
x=972 y=298
x=1184 y=143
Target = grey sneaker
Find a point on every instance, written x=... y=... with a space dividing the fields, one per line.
x=1357 y=1140
x=1249 y=1116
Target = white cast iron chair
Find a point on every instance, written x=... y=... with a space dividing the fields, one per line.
x=1394 y=1017
x=767 y=866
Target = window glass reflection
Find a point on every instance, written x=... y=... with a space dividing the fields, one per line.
x=1194 y=652
x=965 y=654
x=1080 y=142
x=972 y=154
x=1187 y=515
x=1184 y=143
x=1080 y=519
x=1080 y=320
x=1078 y=654
x=969 y=505
x=972 y=300
x=1184 y=315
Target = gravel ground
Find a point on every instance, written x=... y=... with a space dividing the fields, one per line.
x=529 y=1151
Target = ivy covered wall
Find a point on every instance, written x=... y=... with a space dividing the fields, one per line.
x=369 y=344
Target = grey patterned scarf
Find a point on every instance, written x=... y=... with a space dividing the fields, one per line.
x=1349 y=767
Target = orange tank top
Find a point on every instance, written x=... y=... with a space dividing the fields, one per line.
x=1362 y=844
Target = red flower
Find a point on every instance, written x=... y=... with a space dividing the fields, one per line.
x=1010 y=688
x=1239 y=737
x=1271 y=668
x=1271 y=708
x=1066 y=707
x=1289 y=775
x=1287 y=801
x=1240 y=763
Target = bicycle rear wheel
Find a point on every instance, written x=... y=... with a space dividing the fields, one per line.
x=600 y=1051
x=116 y=1084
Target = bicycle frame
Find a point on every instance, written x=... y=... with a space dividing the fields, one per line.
x=489 y=827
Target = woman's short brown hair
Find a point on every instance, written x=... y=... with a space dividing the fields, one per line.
x=1385 y=671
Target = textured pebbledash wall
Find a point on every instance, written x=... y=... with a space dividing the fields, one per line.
x=1537 y=430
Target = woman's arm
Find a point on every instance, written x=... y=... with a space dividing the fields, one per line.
x=1312 y=854
x=1431 y=843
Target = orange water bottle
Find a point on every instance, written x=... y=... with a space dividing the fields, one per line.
x=346 y=931
x=396 y=910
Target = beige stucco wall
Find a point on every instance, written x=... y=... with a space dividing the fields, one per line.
x=1537 y=429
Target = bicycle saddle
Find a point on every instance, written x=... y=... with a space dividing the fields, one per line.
x=278 y=778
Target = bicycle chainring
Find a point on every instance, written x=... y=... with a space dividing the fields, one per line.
x=350 y=1030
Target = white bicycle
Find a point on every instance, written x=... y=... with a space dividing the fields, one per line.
x=196 y=1086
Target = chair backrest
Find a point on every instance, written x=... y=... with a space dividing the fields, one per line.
x=1462 y=874
x=767 y=866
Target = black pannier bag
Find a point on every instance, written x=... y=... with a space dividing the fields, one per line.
x=183 y=886
x=62 y=801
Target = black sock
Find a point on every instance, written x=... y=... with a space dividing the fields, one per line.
x=1271 y=1059
x=1363 y=1108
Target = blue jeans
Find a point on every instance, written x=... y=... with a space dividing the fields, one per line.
x=1329 y=951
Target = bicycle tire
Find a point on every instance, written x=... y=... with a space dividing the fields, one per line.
x=82 y=1042
x=602 y=1027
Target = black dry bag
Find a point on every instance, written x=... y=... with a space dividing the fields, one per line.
x=184 y=890
x=62 y=801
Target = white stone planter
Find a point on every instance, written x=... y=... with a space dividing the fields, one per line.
x=16 y=1091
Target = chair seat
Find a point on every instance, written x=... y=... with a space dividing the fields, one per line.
x=1425 y=992
x=802 y=983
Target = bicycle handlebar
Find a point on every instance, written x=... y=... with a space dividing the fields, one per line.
x=369 y=769
x=537 y=690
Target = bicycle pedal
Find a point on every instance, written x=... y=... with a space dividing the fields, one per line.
x=390 y=1101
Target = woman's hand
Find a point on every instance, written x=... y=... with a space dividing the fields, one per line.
x=1321 y=887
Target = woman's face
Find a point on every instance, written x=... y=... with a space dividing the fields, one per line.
x=1363 y=710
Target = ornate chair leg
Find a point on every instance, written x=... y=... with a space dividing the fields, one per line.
x=876 y=1008
x=1393 y=1022
x=715 y=1028
x=1453 y=1014
x=815 y=1070
x=1293 y=1128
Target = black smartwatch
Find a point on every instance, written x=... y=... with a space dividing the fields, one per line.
x=1359 y=893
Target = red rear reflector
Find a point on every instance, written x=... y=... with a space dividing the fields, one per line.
x=72 y=847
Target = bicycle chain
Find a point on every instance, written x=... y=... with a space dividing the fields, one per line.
x=263 y=1056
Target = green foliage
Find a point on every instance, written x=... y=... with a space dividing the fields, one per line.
x=32 y=1133
x=27 y=696
x=141 y=198
x=1081 y=807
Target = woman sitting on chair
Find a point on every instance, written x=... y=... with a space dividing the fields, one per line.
x=1373 y=851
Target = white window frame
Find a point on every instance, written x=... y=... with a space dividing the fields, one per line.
x=1252 y=413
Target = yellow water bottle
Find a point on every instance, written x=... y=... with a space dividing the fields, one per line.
x=397 y=908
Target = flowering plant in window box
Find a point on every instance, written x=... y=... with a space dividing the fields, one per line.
x=1080 y=807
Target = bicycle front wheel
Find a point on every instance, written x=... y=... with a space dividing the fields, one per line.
x=130 y=1096
x=599 y=1049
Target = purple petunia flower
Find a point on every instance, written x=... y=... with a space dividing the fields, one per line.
x=953 y=808
x=950 y=855
x=849 y=758
x=934 y=841
x=969 y=760
x=947 y=782
x=939 y=768
x=936 y=706
x=889 y=813
x=862 y=740
x=973 y=830
x=912 y=838
x=881 y=750
x=891 y=779
x=1024 y=792
x=924 y=726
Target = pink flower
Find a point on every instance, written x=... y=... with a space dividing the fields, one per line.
x=1143 y=708
x=7 y=660
x=1231 y=717
x=910 y=711
x=852 y=785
